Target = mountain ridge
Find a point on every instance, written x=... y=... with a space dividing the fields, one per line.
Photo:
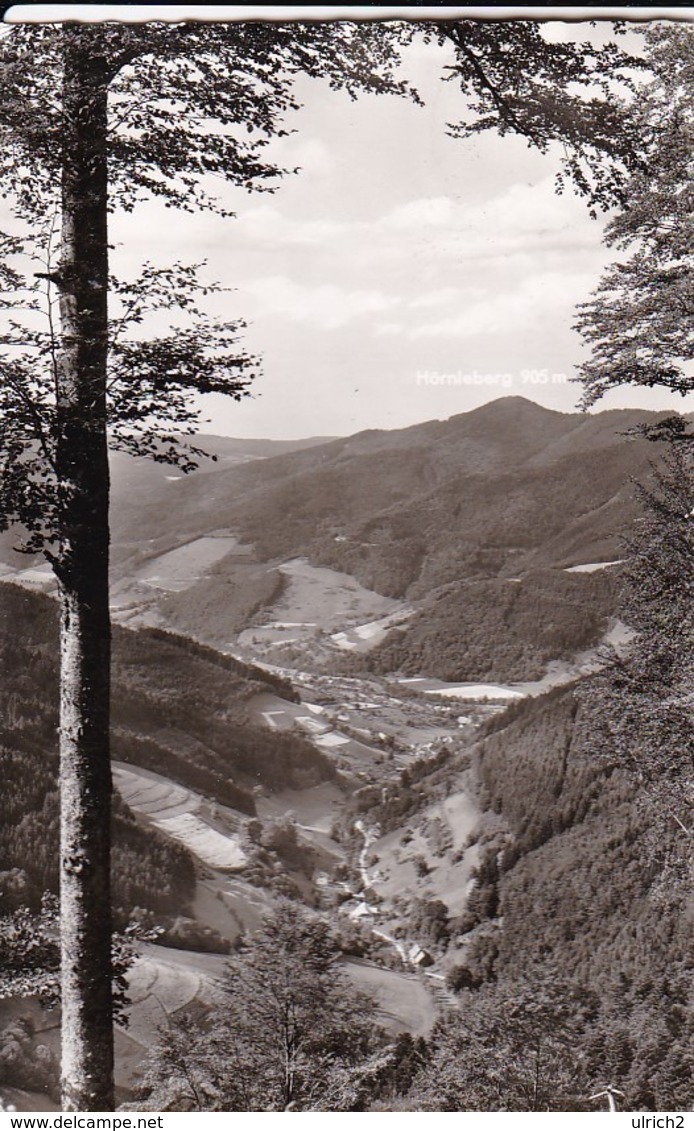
x=500 y=494
x=506 y=491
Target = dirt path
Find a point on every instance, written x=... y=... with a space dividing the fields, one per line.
x=370 y=837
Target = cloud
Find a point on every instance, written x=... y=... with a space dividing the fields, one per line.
x=427 y=212
x=523 y=216
x=267 y=225
x=524 y=219
x=390 y=329
x=429 y=268
x=524 y=208
x=530 y=304
x=445 y=296
x=311 y=155
x=327 y=307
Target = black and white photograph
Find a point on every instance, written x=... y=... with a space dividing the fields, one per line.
x=346 y=561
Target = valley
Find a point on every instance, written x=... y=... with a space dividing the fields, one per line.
x=365 y=879
x=312 y=663
x=373 y=735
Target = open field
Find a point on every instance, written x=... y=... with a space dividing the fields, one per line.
x=280 y=714
x=164 y=981
x=404 y=1002
x=591 y=567
x=229 y=905
x=435 y=838
x=315 y=723
x=326 y=597
x=469 y=691
x=145 y=585
x=183 y=815
x=313 y=809
x=170 y=979
x=323 y=603
x=39 y=577
x=363 y=637
x=218 y=849
x=161 y=982
x=180 y=568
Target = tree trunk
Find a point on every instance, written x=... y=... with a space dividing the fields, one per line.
x=82 y=569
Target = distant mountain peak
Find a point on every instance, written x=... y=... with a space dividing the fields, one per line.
x=516 y=405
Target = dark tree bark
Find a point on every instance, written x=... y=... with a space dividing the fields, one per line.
x=82 y=568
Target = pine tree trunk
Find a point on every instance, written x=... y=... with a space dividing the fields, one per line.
x=82 y=568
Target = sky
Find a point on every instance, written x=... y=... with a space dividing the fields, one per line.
x=401 y=275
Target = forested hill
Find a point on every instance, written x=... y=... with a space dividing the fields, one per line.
x=179 y=709
x=571 y=890
x=472 y=522
x=507 y=486
x=496 y=628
